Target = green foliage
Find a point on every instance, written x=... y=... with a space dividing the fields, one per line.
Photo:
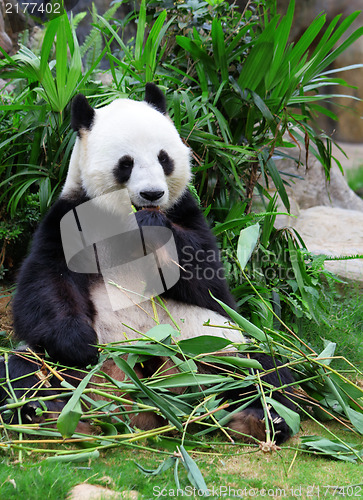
x=36 y=141
x=16 y=232
x=197 y=410
x=355 y=180
x=236 y=87
x=258 y=81
x=344 y=313
x=269 y=271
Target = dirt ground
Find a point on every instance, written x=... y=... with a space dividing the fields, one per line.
x=5 y=312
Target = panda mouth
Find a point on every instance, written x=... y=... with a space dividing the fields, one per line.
x=146 y=207
x=151 y=207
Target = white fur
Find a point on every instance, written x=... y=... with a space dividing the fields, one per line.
x=113 y=326
x=136 y=129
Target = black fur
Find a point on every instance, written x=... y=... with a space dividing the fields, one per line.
x=52 y=309
x=201 y=269
x=279 y=376
x=25 y=383
x=155 y=97
x=123 y=169
x=82 y=113
x=166 y=162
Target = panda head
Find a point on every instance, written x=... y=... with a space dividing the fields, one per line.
x=128 y=144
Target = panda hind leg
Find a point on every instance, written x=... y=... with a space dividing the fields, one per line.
x=22 y=378
x=249 y=425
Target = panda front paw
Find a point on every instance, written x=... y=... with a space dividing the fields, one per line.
x=75 y=347
x=81 y=356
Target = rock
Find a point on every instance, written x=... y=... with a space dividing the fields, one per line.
x=12 y=22
x=5 y=86
x=15 y=20
x=328 y=216
x=352 y=158
x=86 y=491
x=336 y=232
x=313 y=189
x=5 y=41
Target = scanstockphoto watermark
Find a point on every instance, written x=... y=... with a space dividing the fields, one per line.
x=112 y=244
x=199 y=264
x=221 y=492
x=312 y=491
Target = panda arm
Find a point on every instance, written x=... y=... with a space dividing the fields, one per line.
x=52 y=309
x=201 y=270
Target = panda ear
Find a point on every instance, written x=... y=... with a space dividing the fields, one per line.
x=82 y=114
x=155 y=97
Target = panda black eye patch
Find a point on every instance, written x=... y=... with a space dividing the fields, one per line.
x=166 y=162
x=123 y=169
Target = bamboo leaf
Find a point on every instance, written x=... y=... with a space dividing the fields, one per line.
x=48 y=40
x=256 y=66
x=219 y=48
x=45 y=188
x=161 y=332
x=356 y=418
x=203 y=344
x=167 y=464
x=144 y=349
x=258 y=61
x=270 y=166
x=278 y=69
x=194 y=474
x=305 y=41
x=74 y=73
x=155 y=398
x=72 y=412
x=84 y=456
x=192 y=379
x=140 y=33
x=328 y=352
x=61 y=59
x=238 y=361
x=332 y=448
x=247 y=242
x=328 y=43
x=246 y=325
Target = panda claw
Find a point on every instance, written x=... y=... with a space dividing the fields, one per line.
x=277 y=420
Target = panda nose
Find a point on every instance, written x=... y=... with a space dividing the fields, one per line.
x=152 y=195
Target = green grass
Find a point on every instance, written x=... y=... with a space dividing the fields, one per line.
x=355 y=179
x=295 y=472
x=345 y=325
x=233 y=466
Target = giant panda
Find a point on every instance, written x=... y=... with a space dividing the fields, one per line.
x=126 y=148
